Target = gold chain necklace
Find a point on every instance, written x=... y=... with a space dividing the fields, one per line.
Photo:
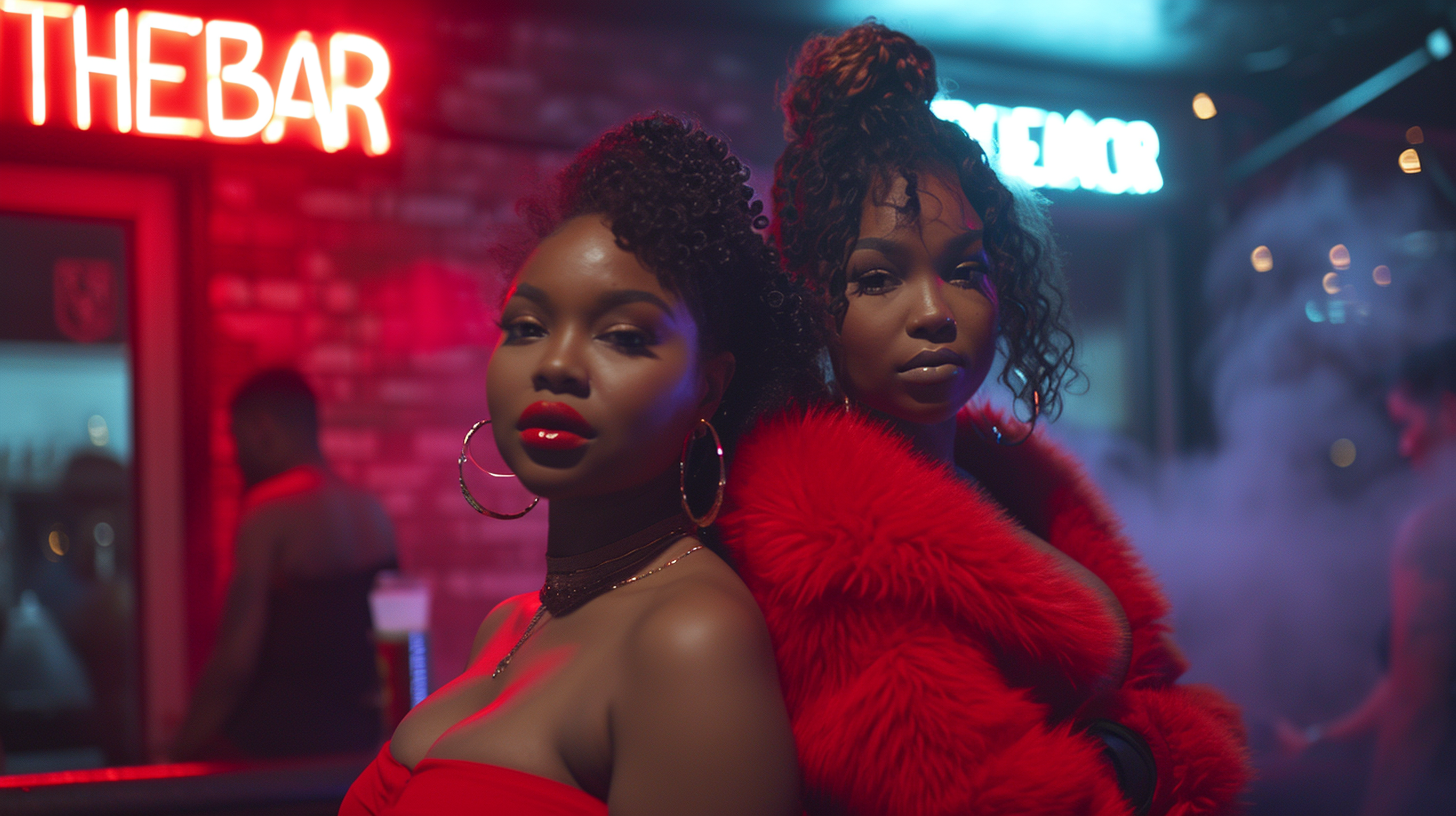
x=541 y=610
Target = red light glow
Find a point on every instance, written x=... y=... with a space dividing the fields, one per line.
x=303 y=56
x=238 y=73
x=37 y=12
x=148 y=72
x=118 y=66
x=233 y=99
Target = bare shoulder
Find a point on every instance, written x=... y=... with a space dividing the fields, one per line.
x=701 y=683
x=500 y=618
x=704 y=619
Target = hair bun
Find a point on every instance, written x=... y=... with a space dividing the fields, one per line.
x=867 y=66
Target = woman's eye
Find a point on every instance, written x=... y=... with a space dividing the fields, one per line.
x=630 y=340
x=970 y=275
x=522 y=329
x=874 y=282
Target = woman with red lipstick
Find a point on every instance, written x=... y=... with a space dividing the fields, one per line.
x=641 y=678
x=958 y=625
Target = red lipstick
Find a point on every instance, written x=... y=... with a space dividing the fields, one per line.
x=553 y=426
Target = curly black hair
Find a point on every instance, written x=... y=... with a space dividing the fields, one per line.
x=674 y=196
x=857 y=115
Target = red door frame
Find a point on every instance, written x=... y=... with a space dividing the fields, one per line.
x=150 y=204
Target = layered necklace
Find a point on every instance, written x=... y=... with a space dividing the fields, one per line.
x=573 y=580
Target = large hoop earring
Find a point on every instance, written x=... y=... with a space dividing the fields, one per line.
x=999 y=437
x=465 y=491
x=698 y=432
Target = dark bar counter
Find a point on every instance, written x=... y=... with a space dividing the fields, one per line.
x=294 y=787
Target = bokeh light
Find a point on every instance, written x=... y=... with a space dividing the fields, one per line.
x=1339 y=257
x=104 y=534
x=1342 y=453
x=1414 y=136
x=58 y=541
x=1262 y=259
x=1203 y=107
x=1381 y=275
x=1331 y=283
x=1410 y=161
x=97 y=430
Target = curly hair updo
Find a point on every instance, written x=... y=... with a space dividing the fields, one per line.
x=675 y=197
x=857 y=116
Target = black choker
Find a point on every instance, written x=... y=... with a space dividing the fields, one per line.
x=575 y=579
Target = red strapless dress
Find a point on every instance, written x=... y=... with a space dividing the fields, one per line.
x=446 y=787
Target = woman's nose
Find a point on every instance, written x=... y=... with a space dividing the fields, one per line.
x=932 y=319
x=561 y=369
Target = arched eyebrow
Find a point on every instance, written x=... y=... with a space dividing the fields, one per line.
x=887 y=247
x=605 y=303
x=622 y=297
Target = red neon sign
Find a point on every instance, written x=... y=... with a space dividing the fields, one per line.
x=240 y=100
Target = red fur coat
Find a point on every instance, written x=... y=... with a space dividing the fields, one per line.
x=924 y=648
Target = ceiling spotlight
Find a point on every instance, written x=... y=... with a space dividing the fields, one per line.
x=1410 y=160
x=1203 y=106
x=1262 y=259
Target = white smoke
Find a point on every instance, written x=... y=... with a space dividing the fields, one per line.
x=1276 y=558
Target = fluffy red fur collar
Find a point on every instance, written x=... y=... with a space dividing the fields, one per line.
x=923 y=645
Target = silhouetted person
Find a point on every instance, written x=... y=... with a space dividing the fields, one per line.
x=1411 y=709
x=293 y=671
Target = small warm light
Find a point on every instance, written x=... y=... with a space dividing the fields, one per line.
x=1410 y=160
x=58 y=541
x=1331 y=283
x=1381 y=275
x=1339 y=257
x=1414 y=135
x=1262 y=259
x=103 y=533
x=97 y=430
x=1203 y=107
x=1342 y=453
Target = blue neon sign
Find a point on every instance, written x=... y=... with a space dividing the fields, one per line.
x=1047 y=149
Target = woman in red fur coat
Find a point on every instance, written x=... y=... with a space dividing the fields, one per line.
x=959 y=626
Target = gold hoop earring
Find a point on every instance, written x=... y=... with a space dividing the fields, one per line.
x=694 y=435
x=465 y=491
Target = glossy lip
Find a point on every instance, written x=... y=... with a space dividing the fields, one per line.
x=553 y=426
x=933 y=367
x=934 y=359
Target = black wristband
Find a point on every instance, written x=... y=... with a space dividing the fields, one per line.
x=1132 y=762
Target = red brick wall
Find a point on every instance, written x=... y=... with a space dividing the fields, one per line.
x=373 y=276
